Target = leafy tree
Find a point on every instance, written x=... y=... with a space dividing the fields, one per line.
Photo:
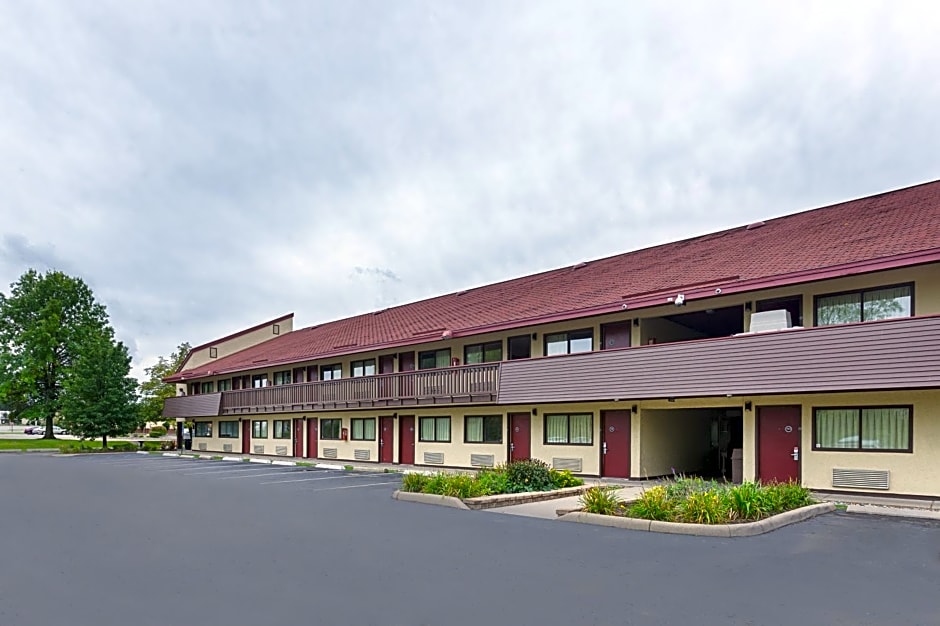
x=44 y=324
x=100 y=397
x=153 y=391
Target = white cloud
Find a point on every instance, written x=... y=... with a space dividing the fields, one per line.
x=205 y=166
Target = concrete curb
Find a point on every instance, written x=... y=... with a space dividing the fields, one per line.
x=32 y=451
x=748 y=529
x=430 y=498
x=873 y=509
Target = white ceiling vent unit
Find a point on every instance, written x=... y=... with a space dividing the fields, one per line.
x=766 y=321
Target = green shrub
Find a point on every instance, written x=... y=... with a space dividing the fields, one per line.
x=564 y=478
x=602 y=501
x=157 y=431
x=123 y=446
x=462 y=486
x=414 y=482
x=653 y=504
x=152 y=446
x=493 y=481
x=529 y=475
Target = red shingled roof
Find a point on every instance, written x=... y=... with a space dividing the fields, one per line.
x=893 y=229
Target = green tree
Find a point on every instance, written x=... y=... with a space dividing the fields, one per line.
x=44 y=323
x=153 y=391
x=100 y=397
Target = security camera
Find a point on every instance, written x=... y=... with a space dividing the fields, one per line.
x=718 y=290
x=680 y=300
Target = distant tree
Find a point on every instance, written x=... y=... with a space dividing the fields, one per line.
x=100 y=397
x=44 y=324
x=153 y=391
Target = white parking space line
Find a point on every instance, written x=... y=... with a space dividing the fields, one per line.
x=210 y=472
x=389 y=482
x=281 y=473
x=303 y=480
x=234 y=467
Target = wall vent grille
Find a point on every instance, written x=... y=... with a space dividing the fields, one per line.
x=329 y=453
x=570 y=464
x=482 y=460
x=203 y=446
x=434 y=458
x=281 y=450
x=867 y=479
x=361 y=455
x=226 y=447
x=259 y=449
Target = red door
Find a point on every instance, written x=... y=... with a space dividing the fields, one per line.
x=406 y=363
x=298 y=437
x=313 y=441
x=778 y=443
x=406 y=440
x=615 y=335
x=387 y=383
x=386 y=439
x=246 y=437
x=520 y=432
x=615 y=444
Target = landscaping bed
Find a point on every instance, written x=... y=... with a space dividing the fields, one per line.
x=698 y=501
x=512 y=483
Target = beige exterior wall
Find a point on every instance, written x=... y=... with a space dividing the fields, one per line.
x=914 y=473
x=240 y=342
x=215 y=443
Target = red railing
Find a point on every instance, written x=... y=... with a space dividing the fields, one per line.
x=452 y=384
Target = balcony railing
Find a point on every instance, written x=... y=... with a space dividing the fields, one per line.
x=467 y=384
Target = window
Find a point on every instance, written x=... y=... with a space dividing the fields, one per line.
x=259 y=380
x=483 y=352
x=203 y=429
x=259 y=429
x=225 y=384
x=435 y=429
x=575 y=429
x=363 y=368
x=863 y=428
x=331 y=372
x=434 y=358
x=520 y=347
x=206 y=387
x=228 y=429
x=483 y=429
x=283 y=378
x=282 y=429
x=865 y=306
x=330 y=428
x=570 y=342
x=363 y=429
x=193 y=389
x=213 y=353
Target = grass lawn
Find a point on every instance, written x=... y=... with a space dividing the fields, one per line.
x=33 y=444
x=71 y=445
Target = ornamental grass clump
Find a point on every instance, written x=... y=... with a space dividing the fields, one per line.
x=602 y=501
x=698 y=501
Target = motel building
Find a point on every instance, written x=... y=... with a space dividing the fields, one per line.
x=805 y=347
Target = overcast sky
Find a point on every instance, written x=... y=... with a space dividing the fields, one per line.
x=207 y=165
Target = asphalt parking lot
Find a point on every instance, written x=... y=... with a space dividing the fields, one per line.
x=144 y=539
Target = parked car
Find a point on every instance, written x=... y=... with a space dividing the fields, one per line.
x=30 y=430
x=38 y=430
x=56 y=430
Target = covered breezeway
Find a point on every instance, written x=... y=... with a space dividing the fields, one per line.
x=690 y=441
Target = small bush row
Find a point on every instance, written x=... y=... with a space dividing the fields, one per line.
x=697 y=501
x=515 y=477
